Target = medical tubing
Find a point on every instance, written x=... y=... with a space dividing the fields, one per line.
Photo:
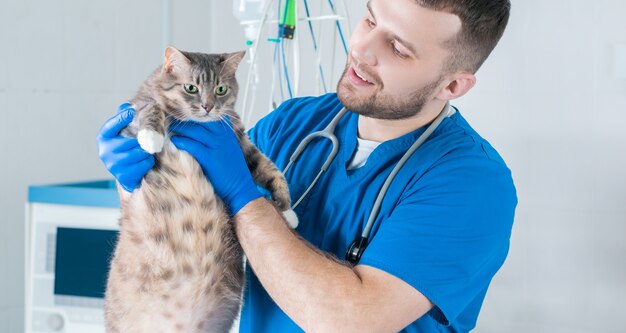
x=282 y=45
x=320 y=74
x=280 y=73
x=273 y=86
x=334 y=55
x=296 y=54
x=347 y=17
x=381 y=194
x=308 y=15
x=245 y=116
x=256 y=82
x=296 y=62
x=278 y=57
x=318 y=52
x=343 y=41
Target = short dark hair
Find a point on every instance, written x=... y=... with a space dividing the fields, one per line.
x=482 y=24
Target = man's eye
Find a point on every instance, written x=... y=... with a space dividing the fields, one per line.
x=396 y=51
x=370 y=23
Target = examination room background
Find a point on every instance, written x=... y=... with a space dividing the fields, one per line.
x=551 y=99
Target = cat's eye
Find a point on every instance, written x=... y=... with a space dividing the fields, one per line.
x=191 y=89
x=221 y=90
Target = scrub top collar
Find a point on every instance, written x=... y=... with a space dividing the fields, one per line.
x=347 y=131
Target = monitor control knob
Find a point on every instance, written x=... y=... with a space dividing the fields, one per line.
x=56 y=322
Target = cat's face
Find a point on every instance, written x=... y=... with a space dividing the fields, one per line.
x=200 y=87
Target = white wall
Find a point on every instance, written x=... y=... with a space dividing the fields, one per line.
x=549 y=101
x=546 y=99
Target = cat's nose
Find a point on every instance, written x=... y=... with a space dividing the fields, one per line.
x=207 y=106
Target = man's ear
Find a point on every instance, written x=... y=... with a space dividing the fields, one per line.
x=458 y=85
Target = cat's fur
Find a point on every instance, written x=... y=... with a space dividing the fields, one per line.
x=178 y=266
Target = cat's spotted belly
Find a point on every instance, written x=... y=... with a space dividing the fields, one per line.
x=177 y=254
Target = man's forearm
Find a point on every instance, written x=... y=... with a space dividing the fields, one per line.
x=314 y=289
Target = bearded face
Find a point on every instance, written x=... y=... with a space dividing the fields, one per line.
x=397 y=58
x=371 y=100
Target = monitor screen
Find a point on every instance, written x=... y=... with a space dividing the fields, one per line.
x=82 y=261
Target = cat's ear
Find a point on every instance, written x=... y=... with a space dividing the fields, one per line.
x=230 y=61
x=174 y=60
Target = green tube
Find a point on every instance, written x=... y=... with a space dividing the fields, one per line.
x=288 y=18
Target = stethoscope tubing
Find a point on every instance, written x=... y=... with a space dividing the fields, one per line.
x=329 y=133
x=358 y=246
x=383 y=191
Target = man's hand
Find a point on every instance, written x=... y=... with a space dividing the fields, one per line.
x=215 y=147
x=123 y=156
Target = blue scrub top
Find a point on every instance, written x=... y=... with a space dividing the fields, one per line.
x=443 y=227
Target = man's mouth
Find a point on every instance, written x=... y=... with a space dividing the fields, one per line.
x=359 y=79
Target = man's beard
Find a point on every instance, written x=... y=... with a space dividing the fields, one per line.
x=384 y=106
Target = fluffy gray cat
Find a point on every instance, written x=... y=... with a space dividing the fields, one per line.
x=177 y=266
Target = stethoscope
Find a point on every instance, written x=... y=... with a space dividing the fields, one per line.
x=357 y=247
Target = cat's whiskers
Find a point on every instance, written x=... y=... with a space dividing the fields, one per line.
x=237 y=131
x=180 y=124
x=226 y=123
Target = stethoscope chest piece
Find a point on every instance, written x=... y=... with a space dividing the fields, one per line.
x=355 y=250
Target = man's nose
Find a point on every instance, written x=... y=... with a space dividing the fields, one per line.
x=363 y=51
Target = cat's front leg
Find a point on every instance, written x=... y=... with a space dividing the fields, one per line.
x=151 y=129
x=150 y=140
x=266 y=174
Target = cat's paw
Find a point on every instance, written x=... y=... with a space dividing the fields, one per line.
x=291 y=217
x=150 y=141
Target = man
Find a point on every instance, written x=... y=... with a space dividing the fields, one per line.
x=444 y=225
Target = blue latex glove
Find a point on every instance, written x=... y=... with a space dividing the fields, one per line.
x=215 y=147
x=123 y=156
